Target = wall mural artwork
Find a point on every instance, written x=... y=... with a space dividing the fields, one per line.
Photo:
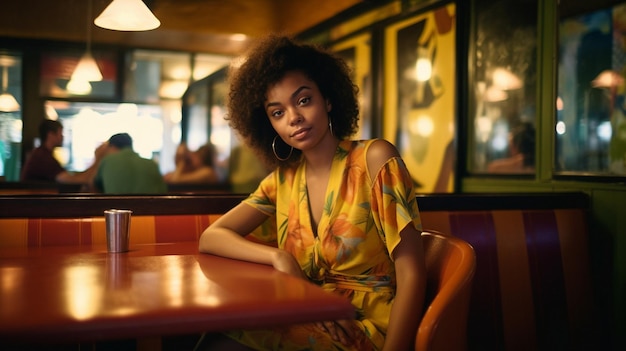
x=356 y=52
x=420 y=96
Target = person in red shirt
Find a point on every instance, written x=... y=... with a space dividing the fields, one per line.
x=42 y=166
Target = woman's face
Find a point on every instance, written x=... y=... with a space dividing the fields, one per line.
x=195 y=159
x=298 y=111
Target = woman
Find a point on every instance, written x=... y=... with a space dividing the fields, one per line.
x=345 y=210
x=193 y=167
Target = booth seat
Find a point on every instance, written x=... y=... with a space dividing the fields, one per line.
x=35 y=232
x=532 y=287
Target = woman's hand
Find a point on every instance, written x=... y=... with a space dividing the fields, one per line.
x=340 y=330
x=285 y=262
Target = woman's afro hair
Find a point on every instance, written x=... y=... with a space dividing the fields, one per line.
x=265 y=66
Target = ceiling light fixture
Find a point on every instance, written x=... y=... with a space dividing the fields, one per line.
x=7 y=101
x=127 y=15
x=608 y=79
x=173 y=89
x=87 y=69
x=78 y=87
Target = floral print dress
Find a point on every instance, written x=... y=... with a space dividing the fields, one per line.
x=350 y=253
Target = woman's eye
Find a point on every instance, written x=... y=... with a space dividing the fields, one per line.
x=276 y=113
x=304 y=100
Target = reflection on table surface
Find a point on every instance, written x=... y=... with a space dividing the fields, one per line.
x=162 y=289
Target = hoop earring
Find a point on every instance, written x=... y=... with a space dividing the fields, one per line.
x=275 y=154
x=330 y=126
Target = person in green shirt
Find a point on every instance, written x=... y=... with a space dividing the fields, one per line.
x=122 y=171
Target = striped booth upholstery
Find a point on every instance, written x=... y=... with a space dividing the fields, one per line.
x=34 y=232
x=532 y=285
x=532 y=288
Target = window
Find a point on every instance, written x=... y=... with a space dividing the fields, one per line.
x=87 y=125
x=590 y=126
x=58 y=81
x=162 y=77
x=503 y=87
x=10 y=115
x=154 y=82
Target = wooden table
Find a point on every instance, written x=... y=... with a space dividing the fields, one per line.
x=84 y=294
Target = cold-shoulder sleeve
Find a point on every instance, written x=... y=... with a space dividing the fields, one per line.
x=264 y=197
x=394 y=205
x=264 y=200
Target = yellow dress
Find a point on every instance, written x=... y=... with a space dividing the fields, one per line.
x=350 y=253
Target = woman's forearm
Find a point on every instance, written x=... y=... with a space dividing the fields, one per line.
x=226 y=243
x=405 y=316
x=406 y=312
x=226 y=237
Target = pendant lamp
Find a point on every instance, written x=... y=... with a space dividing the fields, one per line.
x=78 y=86
x=87 y=69
x=607 y=79
x=7 y=101
x=127 y=15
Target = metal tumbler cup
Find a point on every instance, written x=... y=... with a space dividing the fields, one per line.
x=117 y=229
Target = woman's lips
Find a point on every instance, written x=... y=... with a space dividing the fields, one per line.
x=300 y=133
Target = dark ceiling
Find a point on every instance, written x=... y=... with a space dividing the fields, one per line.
x=187 y=25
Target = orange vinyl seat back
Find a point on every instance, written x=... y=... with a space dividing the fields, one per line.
x=450 y=268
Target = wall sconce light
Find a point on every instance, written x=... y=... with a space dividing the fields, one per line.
x=7 y=101
x=423 y=65
x=127 y=15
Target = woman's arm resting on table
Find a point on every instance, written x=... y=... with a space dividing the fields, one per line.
x=225 y=238
x=406 y=312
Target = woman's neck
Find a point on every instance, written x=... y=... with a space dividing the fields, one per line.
x=321 y=157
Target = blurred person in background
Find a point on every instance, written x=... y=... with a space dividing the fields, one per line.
x=245 y=169
x=123 y=171
x=41 y=165
x=521 y=152
x=194 y=167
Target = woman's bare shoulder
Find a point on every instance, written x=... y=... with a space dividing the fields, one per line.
x=378 y=153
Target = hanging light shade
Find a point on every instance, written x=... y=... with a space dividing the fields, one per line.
x=127 y=15
x=8 y=103
x=607 y=79
x=78 y=86
x=87 y=69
